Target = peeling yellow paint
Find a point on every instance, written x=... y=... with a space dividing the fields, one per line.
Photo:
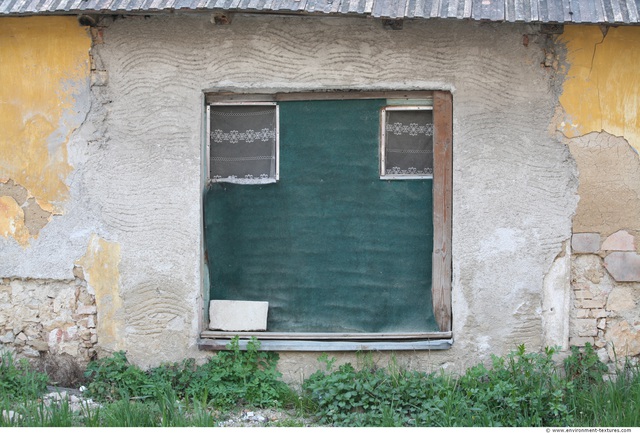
x=602 y=88
x=100 y=266
x=44 y=70
x=12 y=220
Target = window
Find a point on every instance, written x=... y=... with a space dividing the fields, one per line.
x=243 y=143
x=406 y=142
x=353 y=241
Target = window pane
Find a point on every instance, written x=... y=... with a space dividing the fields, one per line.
x=243 y=143
x=409 y=143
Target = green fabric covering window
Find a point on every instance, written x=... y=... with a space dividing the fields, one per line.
x=331 y=246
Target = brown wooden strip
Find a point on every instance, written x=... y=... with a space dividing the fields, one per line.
x=314 y=96
x=442 y=207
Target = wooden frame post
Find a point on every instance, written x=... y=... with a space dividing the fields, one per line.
x=442 y=207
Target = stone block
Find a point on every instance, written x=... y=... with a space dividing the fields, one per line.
x=623 y=266
x=39 y=345
x=30 y=352
x=585 y=243
x=625 y=339
x=7 y=338
x=602 y=323
x=238 y=315
x=586 y=327
x=603 y=356
x=86 y=309
x=621 y=299
x=619 y=241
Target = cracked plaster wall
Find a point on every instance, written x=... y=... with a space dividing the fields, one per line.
x=514 y=188
x=40 y=107
x=112 y=225
x=599 y=120
x=44 y=99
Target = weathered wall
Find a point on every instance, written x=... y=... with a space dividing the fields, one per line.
x=40 y=107
x=44 y=98
x=68 y=199
x=129 y=218
x=599 y=120
x=514 y=186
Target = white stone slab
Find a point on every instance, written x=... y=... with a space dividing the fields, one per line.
x=623 y=266
x=585 y=243
x=620 y=241
x=238 y=315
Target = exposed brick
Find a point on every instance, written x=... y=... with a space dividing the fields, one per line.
x=619 y=241
x=623 y=266
x=598 y=313
x=583 y=314
x=590 y=303
x=580 y=341
x=583 y=294
x=585 y=243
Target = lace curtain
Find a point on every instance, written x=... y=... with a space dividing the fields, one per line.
x=243 y=143
x=409 y=143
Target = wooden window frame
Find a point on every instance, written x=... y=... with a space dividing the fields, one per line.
x=442 y=222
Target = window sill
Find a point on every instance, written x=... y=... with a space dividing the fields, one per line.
x=305 y=343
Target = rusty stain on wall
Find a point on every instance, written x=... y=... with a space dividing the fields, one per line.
x=100 y=266
x=44 y=67
x=602 y=87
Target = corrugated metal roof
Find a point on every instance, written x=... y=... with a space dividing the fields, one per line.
x=541 y=11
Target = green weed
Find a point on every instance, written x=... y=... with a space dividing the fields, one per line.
x=228 y=378
x=18 y=380
x=519 y=389
x=235 y=376
x=523 y=389
x=113 y=377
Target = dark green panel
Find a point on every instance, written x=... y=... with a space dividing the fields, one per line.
x=331 y=246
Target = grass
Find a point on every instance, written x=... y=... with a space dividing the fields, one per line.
x=614 y=402
x=520 y=389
